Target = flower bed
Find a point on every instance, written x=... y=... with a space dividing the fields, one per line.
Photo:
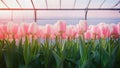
x=28 y=45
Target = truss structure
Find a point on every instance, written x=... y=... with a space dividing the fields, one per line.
x=86 y=9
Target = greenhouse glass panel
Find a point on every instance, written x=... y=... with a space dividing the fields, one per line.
x=5 y=16
x=25 y=3
x=2 y=5
x=67 y=3
x=81 y=3
x=39 y=3
x=23 y=16
x=11 y=3
x=109 y=3
x=52 y=16
x=53 y=3
x=95 y=3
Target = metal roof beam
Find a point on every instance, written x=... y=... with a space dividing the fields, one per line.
x=35 y=15
x=86 y=11
x=116 y=4
x=18 y=3
x=102 y=4
x=60 y=4
x=60 y=9
x=32 y=4
x=4 y=3
x=46 y=4
x=74 y=3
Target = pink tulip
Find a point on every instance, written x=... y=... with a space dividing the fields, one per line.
x=48 y=29
x=43 y=32
x=15 y=28
x=52 y=35
x=114 y=27
x=19 y=33
x=33 y=28
x=87 y=35
x=118 y=28
x=71 y=31
x=49 y=32
x=114 y=32
x=39 y=32
x=3 y=28
x=105 y=31
x=82 y=26
x=25 y=27
x=55 y=29
x=95 y=31
x=63 y=36
x=1 y=36
x=60 y=26
x=10 y=27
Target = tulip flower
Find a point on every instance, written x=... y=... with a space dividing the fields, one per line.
x=1 y=36
x=82 y=26
x=33 y=28
x=87 y=35
x=39 y=32
x=118 y=28
x=10 y=27
x=95 y=31
x=63 y=36
x=61 y=26
x=3 y=28
x=105 y=31
x=71 y=32
x=48 y=30
x=19 y=34
x=15 y=28
x=43 y=32
x=114 y=32
x=24 y=28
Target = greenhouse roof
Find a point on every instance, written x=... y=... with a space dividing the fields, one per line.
x=33 y=10
x=58 y=4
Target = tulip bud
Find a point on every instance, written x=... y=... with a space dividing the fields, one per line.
x=61 y=26
x=33 y=28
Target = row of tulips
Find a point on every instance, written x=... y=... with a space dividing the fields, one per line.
x=29 y=45
x=59 y=29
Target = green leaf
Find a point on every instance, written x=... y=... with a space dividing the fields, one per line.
x=58 y=59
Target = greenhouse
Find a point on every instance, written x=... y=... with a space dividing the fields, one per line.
x=59 y=33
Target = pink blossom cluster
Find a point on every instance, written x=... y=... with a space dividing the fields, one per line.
x=59 y=29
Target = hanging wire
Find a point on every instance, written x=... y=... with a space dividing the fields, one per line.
x=86 y=11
